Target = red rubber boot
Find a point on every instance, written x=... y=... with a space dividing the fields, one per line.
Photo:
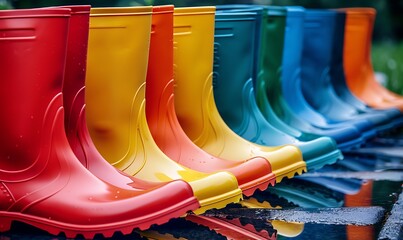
x=42 y=182
x=165 y=128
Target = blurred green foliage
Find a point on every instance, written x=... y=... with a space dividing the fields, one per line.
x=4 y=5
x=387 y=58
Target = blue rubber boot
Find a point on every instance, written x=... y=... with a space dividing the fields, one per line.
x=288 y=106
x=230 y=83
x=296 y=94
x=319 y=40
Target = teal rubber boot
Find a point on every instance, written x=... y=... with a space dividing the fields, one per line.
x=237 y=34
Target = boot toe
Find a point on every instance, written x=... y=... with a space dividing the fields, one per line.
x=319 y=152
x=286 y=161
x=216 y=191
x=252 y=174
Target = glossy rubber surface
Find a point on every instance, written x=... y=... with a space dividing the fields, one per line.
x=161 y=116
x=116 y=116
x=357 y=61
x=247 y=120
x=42 y=182
x=195 y=106
x=285 y=76
x=322 y=39
x=74 y=105
x=299 y=103
x=338 y=76
x=77 y=131
x=269 y=94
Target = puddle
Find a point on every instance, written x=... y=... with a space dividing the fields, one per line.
x=334 y=189
x=334 y=232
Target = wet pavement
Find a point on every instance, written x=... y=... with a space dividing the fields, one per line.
x=359 y=197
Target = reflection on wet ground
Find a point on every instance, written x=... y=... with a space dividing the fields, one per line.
x=359 y=197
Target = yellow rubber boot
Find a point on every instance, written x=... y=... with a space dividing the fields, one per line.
x=195 y=106
x=116 y=72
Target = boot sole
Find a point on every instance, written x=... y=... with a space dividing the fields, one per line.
x=220 y=201
x=328 y=159
x=261 y=183
x=89 y=231
x=290 y=171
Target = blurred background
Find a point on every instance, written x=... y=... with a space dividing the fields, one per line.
x=387 y=48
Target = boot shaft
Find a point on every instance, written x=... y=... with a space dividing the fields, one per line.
x=292 y=54
x=292 y=51
x=269 y=95
x=76 y=60
x=159 y=83
x=316 y=55
x=322 y=64
x=260 y=18
x=33 y=49
x=337 y=69
x=357 y=40
x=193 y=63
x=74 y=77
x=115 y=79
x=291 y=71
x=272 y=53
x=234 y=36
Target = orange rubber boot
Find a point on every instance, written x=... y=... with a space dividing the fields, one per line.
x=116 y=116
x=164 y=126
x=195 y=106
x=358 y=68
x=42 y=182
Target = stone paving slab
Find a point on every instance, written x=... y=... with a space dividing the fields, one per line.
x=359 y=216
x=393 y=228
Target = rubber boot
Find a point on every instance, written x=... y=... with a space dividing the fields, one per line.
x=268 y=79
x=74 y=104
x=269 y=95
x=77 y=131
x=339 y=86
x=43 y=184
x=247 y=120
x=302 y=107
x=195 y=106
x=268 y=88
x=319 y=38
x=357 y=61
x=164 y=126
x=346 y=136
x=319 y=67
x=337 y=72
x=117 y=68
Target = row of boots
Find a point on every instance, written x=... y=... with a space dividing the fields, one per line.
x=120 y=118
